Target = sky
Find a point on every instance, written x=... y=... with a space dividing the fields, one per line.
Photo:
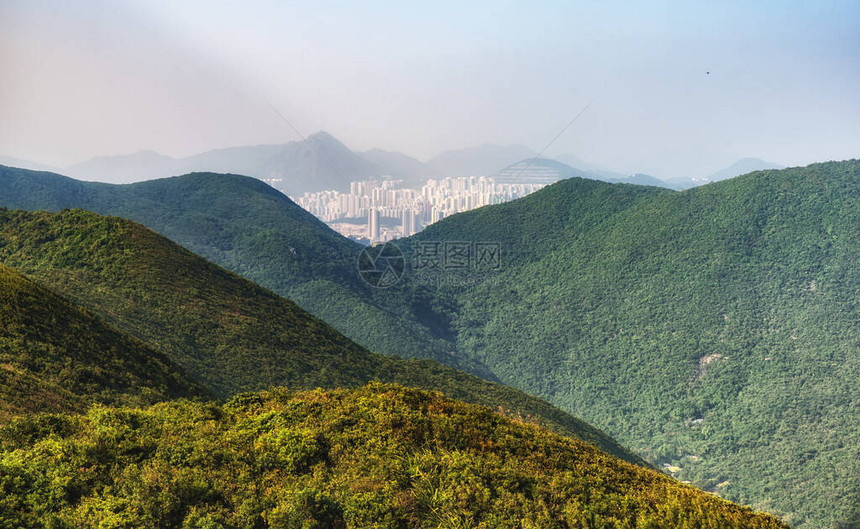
x=672 y=89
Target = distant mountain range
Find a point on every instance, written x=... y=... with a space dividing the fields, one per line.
x=400 y=166
x=537 y=171
x=741 y=167
x=25 y=164
x=323 y=162
x=483 y=160
x=548 y=171
x=320 y=163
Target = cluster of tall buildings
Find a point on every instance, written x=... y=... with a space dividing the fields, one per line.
x=381 y=210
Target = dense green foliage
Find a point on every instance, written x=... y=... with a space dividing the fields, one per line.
x=249 y=228
x=225 y=331
x=55 y=357
x=714 y=330
x=380 y=456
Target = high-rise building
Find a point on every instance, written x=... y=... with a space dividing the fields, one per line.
x=373 y=224
x=408 y=222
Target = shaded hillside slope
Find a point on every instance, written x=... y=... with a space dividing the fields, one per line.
x=56 y=357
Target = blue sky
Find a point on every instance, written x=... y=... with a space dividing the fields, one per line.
x=182 y=77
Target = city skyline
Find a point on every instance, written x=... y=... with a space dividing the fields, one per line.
x=377 y=200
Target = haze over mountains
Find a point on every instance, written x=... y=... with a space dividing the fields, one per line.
x=547 y=171
x=744 y=166
x=298 y=167
x=323 y=162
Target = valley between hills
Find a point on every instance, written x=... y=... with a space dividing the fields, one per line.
x=710 y=332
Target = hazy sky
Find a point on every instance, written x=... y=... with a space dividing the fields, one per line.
x=81 y=79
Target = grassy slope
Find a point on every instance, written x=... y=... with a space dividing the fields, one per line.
x=225 y=331
x=380 y=456
x=55 y=357
x=249 y=228
x=714 y=329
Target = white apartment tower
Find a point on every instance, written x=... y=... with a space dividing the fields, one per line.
x=373 y=224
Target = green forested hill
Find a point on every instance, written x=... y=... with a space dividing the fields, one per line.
x=250 y=228
x=226 y=332
x=716 y=330
x=379 y=456
x=55 y=357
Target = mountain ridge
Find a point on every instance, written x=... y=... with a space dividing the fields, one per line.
x=321 y=162
x=226 y=332
x=316 y=163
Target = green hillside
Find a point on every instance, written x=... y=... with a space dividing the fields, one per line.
x=714 y=330
x=250 y=228
x=226 y=332
x=55 y=357
x=380 y=456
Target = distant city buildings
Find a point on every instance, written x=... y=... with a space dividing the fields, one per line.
x=378 y=211
x=373 y=224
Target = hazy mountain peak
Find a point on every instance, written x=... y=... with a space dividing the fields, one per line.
x=320 y=162
x=412 y=171
x=480 y=160
x=10 y=161
x=743 y=166
x=377 y=150
x=143 y=155
x=324 y=140
x=537 y=170
x=322 y=135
